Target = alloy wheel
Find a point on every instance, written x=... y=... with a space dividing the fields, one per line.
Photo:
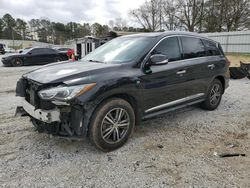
x=215 y=94
x=115 y=125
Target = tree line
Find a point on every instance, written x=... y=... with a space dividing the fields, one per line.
x=44 y=30
x=193 y=15
x=153 y=15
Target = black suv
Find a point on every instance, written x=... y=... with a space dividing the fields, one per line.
x=126 y=80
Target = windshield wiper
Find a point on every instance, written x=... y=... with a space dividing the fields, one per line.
x=96 y=61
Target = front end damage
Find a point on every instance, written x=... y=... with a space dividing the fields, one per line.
x=61 y=118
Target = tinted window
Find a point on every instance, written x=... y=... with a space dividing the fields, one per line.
x=36 y=51
x=170 y=48
x=211 y=48
x=192 y=47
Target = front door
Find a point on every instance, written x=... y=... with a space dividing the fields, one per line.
x=166 y=85
x=34 y=57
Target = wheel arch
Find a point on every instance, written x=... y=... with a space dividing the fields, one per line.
x=222 y=80
x=130 y=99
x=18 y=57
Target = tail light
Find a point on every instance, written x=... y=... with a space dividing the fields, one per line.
x=228 y=62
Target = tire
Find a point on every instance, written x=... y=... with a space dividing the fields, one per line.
x=214 y=95
x=58 y=59
x=17 y=62
x=103 y=133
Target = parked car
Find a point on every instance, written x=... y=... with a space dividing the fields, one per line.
x=34 y=56
x=2 y=49
x=9 y=50
x=124 y=81
x=62 y=49
x=21 y=50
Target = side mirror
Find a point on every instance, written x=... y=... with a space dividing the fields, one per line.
x=29 y=53
x=158 y=59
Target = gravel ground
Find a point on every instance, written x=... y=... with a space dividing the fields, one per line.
x=174 y=150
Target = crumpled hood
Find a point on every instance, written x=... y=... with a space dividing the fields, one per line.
x=60 y=72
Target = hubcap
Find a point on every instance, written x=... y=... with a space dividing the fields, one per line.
x=215 y=94
x=115 y=125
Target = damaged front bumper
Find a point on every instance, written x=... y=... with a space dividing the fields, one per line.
x=47 y=116
x=64 y=119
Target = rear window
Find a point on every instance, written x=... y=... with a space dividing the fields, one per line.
x=192 y=47
x=211 y=48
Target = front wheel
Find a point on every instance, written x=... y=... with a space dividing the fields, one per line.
x=17 y=62
x=214 y=95
x=112 y=124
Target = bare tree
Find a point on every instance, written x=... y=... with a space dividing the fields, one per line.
x=189 y=13
x=170 y=9
x=148 y=15
x=111 y=24
x=224 y=15
x=239 y=12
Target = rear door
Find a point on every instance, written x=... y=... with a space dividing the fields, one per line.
x=195 y=59
x=216 y=62
x=48 y=55
x=166 y=84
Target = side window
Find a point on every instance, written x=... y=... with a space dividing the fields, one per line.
x=36 y=51
x=170 y=48
x=211 y=48
x=192 y=47
x=46 y=51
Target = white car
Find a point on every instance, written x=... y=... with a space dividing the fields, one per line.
x=9 y=50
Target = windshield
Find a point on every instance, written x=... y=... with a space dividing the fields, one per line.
x=121 y=50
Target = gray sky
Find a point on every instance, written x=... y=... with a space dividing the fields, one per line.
x=69 y=10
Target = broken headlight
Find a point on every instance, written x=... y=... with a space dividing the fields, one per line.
x=64 y=93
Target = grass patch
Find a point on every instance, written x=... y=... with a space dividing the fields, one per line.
x=235 y=58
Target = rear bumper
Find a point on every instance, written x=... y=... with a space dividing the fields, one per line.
x=47 y=116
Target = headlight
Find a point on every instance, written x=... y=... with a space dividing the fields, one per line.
x=64 y=93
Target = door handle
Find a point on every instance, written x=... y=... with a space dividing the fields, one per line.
x=181 y=72
x=211 y=66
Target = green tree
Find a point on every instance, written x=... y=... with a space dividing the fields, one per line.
x=9 y=23
x=1 y=28
x=99 y=30
x=21 y=27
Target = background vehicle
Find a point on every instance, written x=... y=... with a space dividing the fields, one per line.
x=62 y=49
x=34 y=56
x=9 y=50
x=2 y=50
x=123 y=81
x=21 y=50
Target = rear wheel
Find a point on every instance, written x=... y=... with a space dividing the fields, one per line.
x=17 y=62
x=213 y=96
x=112 y=124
